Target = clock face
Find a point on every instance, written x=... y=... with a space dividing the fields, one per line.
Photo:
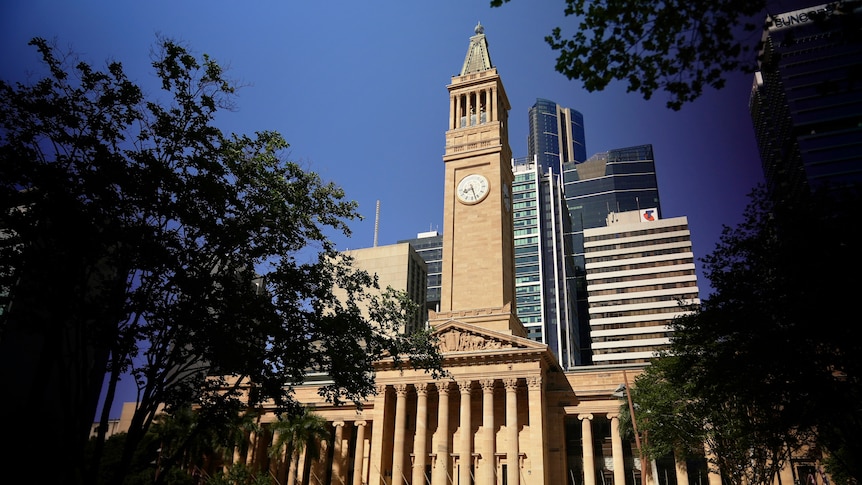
x=472 y=189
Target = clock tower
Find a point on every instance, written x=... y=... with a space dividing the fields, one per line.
x=478 y=274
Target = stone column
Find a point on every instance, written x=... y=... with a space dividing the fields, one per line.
x=337 y=468
x=712 y=477
x=465 y=448
x=420 y=438
x=682 y=471
x=440 y=472
x=489 y=441
x=359 y=452
x=378 y=426
x=494 y=104
x=617 y=446
x=453 y=112
x=513 y=466
x=536 y=397
x=398 y=444
x=587 y=441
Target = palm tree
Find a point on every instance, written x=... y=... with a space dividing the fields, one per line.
x=294 y=434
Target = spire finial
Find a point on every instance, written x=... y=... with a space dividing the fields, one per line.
x=479 y=28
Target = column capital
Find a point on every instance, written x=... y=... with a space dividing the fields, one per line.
x=587 y=416
x=360 y=423
x=421 y=388
x=400 y=389
x=534 y=382
x=442 y=388
x=511 y=384
x=380 y=389
x=465 y=386
x=338 y=423
x=488 y=385
x=613 y=415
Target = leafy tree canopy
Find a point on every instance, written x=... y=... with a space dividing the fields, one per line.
x=769 y=361
x=140 y=238
x=677 y=47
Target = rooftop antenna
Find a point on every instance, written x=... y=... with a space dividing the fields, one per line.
x=376 y=222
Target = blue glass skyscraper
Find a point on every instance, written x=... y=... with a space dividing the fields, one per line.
x=556 y=136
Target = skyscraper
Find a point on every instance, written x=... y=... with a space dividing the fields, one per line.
x=556 y=136
x=639 y=269
x=616 y=181
x=429 y=246
x=545 y=303
x=806 y=100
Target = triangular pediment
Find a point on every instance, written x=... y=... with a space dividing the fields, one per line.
x=456 y=336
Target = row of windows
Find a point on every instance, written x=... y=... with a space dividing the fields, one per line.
x=524 y=205
x=639 y=324
x=628 y=338
x=641 y=254
x=629 y=289
x=632 y=313
x=648 y=276
x=527 y=279
x=647 y=299
x=525 y=213
x=526 y=232
x=526 y=240
x=651 y=264
x=640 y=232
x=532 y=258
x=520 y=290
x=645 y=348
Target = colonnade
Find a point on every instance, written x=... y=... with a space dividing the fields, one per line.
x=456 y=454
x=476 y=103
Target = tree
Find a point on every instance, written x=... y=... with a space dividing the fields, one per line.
x=141 y=239
x=768 y=362
x=296 y=434
x=678 y=47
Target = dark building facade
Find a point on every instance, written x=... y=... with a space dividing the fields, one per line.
x=616 y=181
x=806 y=100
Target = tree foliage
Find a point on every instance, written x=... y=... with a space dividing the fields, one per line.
x=678 y=47
x=769 y=362
x=140 y=239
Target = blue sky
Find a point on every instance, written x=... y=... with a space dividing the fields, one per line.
x=359 y=91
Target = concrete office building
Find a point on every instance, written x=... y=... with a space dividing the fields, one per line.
x=397 y=266
x=639 y=269
x=545 y=304
x=806 y=99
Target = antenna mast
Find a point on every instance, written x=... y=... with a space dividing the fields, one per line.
x=376 y=222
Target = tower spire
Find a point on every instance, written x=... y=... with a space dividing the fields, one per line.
x=478 y=58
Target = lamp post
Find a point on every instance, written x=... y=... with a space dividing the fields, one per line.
x=625 y=388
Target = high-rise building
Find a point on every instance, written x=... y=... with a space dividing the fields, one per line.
x=640 y=268
x=544 y=302
x=556 y=136
x=615 y=181
x=429 y=246
x=806 y=100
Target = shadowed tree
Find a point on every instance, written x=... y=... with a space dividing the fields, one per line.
x=677 y=47
x=139 y=239
x=298 y=434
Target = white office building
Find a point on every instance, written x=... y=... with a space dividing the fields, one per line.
x=639 y=269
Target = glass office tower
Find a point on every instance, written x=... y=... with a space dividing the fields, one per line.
x=614 y=181
x=544 y=301
x=806 y=101
x=429 y=246
x=556 y=136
